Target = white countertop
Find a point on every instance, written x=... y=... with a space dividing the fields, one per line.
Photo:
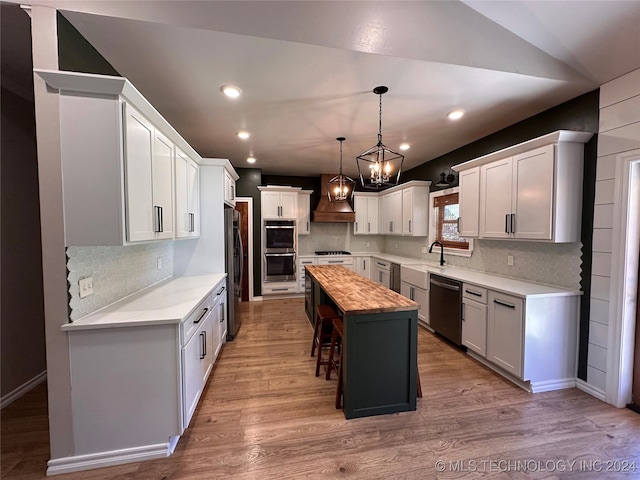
x=170 y=301
x=507 y=285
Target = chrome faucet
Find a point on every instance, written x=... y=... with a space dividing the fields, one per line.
x=441 y=251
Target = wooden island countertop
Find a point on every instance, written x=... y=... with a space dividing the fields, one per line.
x=355 y=294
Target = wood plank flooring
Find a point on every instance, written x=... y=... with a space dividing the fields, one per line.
x=264 y=415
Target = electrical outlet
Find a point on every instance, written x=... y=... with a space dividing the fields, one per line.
x=396 y=245
x=510 y=260
x=368 y=244
x=423 y=249
x=159 y=263
x=86 y=286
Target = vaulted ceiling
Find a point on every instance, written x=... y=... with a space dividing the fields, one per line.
x=307 y=69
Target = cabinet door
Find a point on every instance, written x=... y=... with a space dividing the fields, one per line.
x=192 y=355
x=421 y=297
x=138 y=147
x=372 y=215
x=229 y=189
x=221 y=323
x=505 y=332
x=533 y=174
x=392 y=213
x=360 y=205
x=163 y=186
x=270 y=204
x=364 y=267
x=289 y=205
x=183 y=219
x=495 y=207
x=193 y=184
x=474 y=326
x=469 y=198
x=210 y=330
x=304 y=214
x=407 y=211
x=381 y=276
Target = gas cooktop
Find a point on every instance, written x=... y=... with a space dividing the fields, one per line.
x=332 y=252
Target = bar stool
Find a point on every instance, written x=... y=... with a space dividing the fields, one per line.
x=336 y=364
x=322 y=333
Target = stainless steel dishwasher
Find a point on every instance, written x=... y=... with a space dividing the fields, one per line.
x=445 y=307
x=394 y=283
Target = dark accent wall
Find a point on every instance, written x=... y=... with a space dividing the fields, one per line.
x=76 y=54
x=22 y=336
x=580 y=114
x=247 y=186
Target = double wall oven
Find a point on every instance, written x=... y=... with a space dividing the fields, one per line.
x=279 y=250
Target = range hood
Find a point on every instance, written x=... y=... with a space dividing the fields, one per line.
x=332 y=212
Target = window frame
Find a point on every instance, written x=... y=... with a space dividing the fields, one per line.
x=434 y=223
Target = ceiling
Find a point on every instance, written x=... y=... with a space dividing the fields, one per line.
x=307 y=69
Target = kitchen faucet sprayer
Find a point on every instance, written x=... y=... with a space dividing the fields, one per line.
x=441 y=251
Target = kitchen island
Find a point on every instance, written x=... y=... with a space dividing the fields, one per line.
x=380 y=340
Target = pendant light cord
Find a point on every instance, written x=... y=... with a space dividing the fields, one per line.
x=380 y=122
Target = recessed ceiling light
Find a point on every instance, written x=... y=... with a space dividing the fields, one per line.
x=231 y=91
x=243 y=134
x=251 y=160
x=405 y=146
x=455 y=114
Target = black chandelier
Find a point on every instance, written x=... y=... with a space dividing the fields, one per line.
x=384 y=165
x=338 y=187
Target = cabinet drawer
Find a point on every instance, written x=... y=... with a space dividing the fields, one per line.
x=473 y=292
x=279 y=289
x=190 y=325
x=381 y=264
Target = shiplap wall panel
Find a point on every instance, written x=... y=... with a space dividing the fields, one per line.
x=620 y=89
x=603 y=216
x=602 y=238
x=620 y=114
x=605 y=191
x=600 y=287
x=598 y=334
x=598 y=358
x=606 y=168
x=619 y=140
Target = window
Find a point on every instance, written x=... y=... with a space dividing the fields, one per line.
x=445 y=222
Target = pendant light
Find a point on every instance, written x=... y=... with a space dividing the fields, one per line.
x=381 y=165
x=338 y=187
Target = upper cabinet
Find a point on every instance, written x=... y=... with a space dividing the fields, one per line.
x=187 y=196
x=304 y=212
x=532 y=191
x=229 y=189
x=367 y=212
x=405 y=209
x=280 y=203
x=120 y=164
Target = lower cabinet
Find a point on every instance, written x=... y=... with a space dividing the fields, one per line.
x=363 y=266
x=474 y=319
x=381 y=272
x=420 y=296
x=345 y=262
x=505 y=332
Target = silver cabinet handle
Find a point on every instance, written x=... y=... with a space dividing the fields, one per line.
x=391 y=226
x=356 y=224
x=513 y=223
x=409 y=226
x=364 y=264
x=308 y=226
x=368 y=226
x=504 y=304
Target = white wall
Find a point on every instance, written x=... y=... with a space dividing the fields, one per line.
x=619 y=132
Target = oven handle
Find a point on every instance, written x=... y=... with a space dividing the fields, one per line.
x=291 y=227
x=279 y=254
x=444 y=285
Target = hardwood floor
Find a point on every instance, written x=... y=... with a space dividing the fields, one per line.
x=264 y=415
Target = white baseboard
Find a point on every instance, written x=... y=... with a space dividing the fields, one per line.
x=22 y=389
x=590 y=389
x=78 y=463
x=550 y=385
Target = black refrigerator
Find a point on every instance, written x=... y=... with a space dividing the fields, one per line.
x=234 y=258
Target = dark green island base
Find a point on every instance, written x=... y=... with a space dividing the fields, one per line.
x=379 y=340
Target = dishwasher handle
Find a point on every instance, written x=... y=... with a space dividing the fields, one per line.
x=455 y=288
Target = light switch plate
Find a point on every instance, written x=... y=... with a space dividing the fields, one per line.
x=159 y=263
x=510 y=260
x=86 y=286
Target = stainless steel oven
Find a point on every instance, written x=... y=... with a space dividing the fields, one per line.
x=280 y=267
x=279 y=236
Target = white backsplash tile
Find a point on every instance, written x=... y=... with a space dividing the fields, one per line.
x=337 y=236
x=117 y=272
x=557 y=264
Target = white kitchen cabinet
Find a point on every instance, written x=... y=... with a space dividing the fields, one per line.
x=505 y=332
x=346 y=262
x=531 y=191
x=302 y=273
x=420 y=296
x=229 y=189
x=415 y=211
x=469 y=201
x=117 y=162
x=279 y=204
x=219 y=320
x=187 y=196
x=392 y=213
x=363 y=266
x=381 y=272
x=304 y=212
x=474 y=318
x=367 y=213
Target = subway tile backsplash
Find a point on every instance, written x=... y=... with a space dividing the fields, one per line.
x=337 y=236
x=117 y=272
